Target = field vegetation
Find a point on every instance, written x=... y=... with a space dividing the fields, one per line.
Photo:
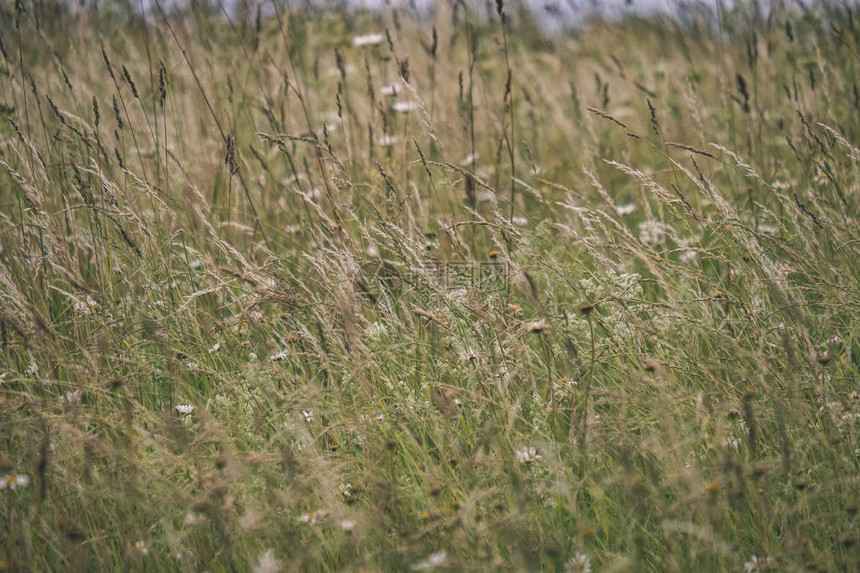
x=334 y=290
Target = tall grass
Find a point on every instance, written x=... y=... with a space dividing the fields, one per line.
x=247 y=321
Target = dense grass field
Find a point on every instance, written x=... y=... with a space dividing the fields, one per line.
x=344 y=291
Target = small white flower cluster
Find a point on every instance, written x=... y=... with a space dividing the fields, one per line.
x=368 y=40
x=312 y=517
x=267 y=563
x=528 y=455
x=625 y=209
x=651 y=232
x=72 y=397
x=13 y=481
x=756 y=564
x=438 y=559
x=282 y=355
x=184 y=408
x=468 y=355
x=579 y=563
x=404 y=106
x=390 y=90
x=344 y=489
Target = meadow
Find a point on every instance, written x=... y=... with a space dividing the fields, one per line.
x=336 y=290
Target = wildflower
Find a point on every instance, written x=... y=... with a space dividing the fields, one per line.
x=139 y=549
x=344 y=489
x=468 y=160
x=688 y=257
x=821 y=177
x=579 y=563
x=282 y=355
x=390 y=90
x=85 y=307
x=625 y=209
x=368 y=40
x=308 y=415
x=536 y=326
x=267 y=563
x=651 y=232
x=468 y=355
x=435 y=560
x=347 y=525
x=312 y=517
x=756 y=564
x=3 y=376
x=192 y=518
x=72 y=397
x=32 y=369
x=528 y=455
x=386 y=140
x=13 y=481
x=835 y=340
x=215 y=348
x=766 y=229
x=404 y=106
x=184 y=408
x=372 y=250
x=520 y=221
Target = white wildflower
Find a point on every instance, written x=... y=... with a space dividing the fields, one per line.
x=368 y=40
x=32 y=369
x=651 y=232
x=282 y=355
x=520 y=221
x=756 y=564
x=184 y=408
x=308 y=415
x=688 y=256
x=579 y=563
x=390 y=90
x=72 y=397
x=13 y=481
x=215 y=348
x=139 y=549
x=372 y=250
x=193 y=518
x=766 y=229
x=469 y=160
x=312 y=517
x=468 y=355
x=625 y=209
x=528 y=455
x=267 y=563
x=386 y=140
x=536 y=326
x=344 y=489
x=404 y=106
x=347 y=525
x=435 y=560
